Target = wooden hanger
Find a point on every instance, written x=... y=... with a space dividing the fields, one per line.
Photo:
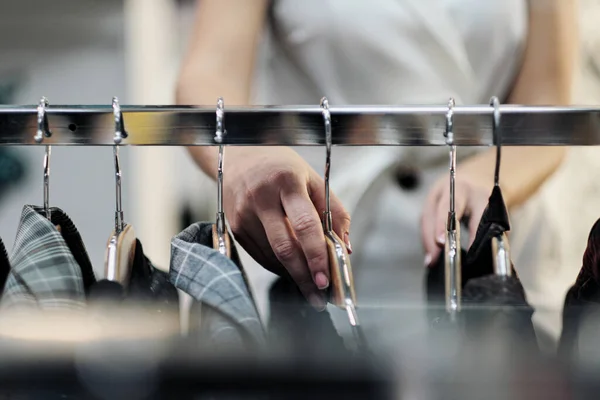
x=340 y=271
x=342 y=293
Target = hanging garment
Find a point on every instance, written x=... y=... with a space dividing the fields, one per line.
x=224 y=312
x=494 y=303
x=4 y=265
x=494 y=222
x=44 y=272
x=296 y=326
x=491 y=303
x=147 y=286
x=581 y=312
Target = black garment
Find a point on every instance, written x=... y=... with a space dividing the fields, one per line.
x=146 y=284
x=582 y=302
x=294 y=324
x=494 y=222
x=498 y=304
x=73 y=240
x=4 y=265
x=489 y=301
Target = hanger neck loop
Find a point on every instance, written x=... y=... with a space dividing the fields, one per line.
x=120 y=134
x=497 y=138
x=327 y=220
x=43 y=131
x=219 y=136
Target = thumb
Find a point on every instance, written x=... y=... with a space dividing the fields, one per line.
x=340 y=218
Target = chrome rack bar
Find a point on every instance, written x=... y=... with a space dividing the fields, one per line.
x=303 y=125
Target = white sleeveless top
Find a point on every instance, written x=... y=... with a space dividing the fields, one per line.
x=388 y=52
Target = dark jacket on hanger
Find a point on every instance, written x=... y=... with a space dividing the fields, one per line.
x=581 y=313
x=296 y=326
x=488 y=300
x=147 y=286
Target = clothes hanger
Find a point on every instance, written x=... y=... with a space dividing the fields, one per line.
x=452 y=250
x=221 y=241
x=342 y=293
x=43 y=131
x=120 y=251
x=500 y=245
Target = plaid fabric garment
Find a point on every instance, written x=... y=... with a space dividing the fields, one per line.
x=44 y=273
x=229 y=316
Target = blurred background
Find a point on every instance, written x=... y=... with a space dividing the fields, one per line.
x=86 y=51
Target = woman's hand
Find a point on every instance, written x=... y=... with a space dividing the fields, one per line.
x=274 y=202
x=471 y=198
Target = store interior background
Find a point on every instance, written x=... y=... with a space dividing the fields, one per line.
x=87 y=51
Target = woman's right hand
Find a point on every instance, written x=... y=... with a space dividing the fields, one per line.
x=274 y=202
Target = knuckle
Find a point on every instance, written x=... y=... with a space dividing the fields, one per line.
x=305 y=224
x=281 y=177
x=285 y=250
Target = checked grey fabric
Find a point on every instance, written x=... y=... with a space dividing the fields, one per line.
x=44 y=273
x=224 y=309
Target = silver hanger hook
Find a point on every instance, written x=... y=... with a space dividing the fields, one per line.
x=449 y=134
x=497 y=137
x=452 y=262
x=328 y=144
x=219 y=136
x=44 y=131
x=119 y=131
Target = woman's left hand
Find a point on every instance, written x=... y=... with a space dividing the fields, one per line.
x=471 y=198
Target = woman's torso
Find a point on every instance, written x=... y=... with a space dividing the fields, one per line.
x=388 y=52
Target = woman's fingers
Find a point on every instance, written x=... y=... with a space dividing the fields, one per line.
x=308 y=230
x=288 y=251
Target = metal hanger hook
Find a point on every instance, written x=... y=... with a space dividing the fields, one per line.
x=120 y=132
x=328 y=144
x=47 y=182
x=449 y=134
x=219 y=135
x=43 y=129
x=119 y=135
x=497 y=137
x=220 y=132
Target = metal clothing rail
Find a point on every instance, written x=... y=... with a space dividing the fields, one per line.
x=301 y=125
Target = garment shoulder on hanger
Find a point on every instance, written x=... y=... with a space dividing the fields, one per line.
x=72 y=238
x=44 y=273
x=214 y=280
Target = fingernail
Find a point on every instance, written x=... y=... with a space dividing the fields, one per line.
x=321 y=280
x=317 y=301
x=347 y=241
x=427 y=261
x=441 y=239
